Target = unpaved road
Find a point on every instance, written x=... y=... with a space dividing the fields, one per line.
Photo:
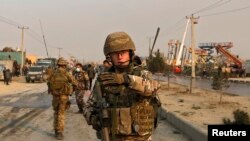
x=26 y=115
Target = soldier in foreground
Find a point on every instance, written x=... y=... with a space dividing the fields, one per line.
x=61 y=85
x=83 y=84
x=122 y=105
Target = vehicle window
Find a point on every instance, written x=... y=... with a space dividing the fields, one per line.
x=35 y=69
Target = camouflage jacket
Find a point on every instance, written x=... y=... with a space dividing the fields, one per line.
x=83 y=79
x=131 y=107
x=67 y=80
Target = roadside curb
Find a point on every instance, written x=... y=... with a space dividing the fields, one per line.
x=240 y=81
x=194 y=132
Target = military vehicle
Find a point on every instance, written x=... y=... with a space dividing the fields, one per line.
x=46 y=62
x=36 y=73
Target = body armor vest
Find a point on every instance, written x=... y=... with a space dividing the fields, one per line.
x=131 y=113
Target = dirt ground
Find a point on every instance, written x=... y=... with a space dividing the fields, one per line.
x=202 y=107
x=17 y=85
x=26 y=114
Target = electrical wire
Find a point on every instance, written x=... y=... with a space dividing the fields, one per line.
x=172 y=27
x=10 y=22
x=38 y=38
x=208 y=7
x=225 y=12
x=34 y=37
x=214 y=5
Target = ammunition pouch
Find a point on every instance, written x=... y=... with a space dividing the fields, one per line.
x=156 y=104
x=68 y=89
x=143 y=117
x=123 y=121
x=67 y=106
x=136 y=120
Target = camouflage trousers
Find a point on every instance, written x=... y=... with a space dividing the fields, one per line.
x=132 y=138
x=79 y=99
x=59 y=104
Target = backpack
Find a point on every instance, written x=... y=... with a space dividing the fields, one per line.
x=58 y=81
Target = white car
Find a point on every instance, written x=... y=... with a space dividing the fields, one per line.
x=1 y=71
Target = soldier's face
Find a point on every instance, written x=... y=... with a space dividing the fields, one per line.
x=79 y=67
x=120 y=58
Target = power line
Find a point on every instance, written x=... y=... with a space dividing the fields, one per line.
x=212 y=6
x=10 y=22
x=34 y=35
x=223 y=3
x=207 y=7
x=172 y=27
x=225 y=12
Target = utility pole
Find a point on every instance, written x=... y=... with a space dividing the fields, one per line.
x=22 y=45
x=59 y=52
x=193 y=22
x=44 y=39
x=149 y=47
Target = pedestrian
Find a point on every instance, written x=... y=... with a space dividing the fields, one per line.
x=25 y=70
x=91 y=73
x=122 y=106
x=83 y=84
x=61 y=85
x=7 y=76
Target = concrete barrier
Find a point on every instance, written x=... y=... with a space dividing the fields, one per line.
x=194 y=132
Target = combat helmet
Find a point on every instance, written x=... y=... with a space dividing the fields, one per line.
x=62 y=61
x=78 y=64
x=118 y=41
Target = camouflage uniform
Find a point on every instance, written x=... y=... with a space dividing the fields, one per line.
x=60 y=99
x=49 y=71
x=83 y=84
x=91 y=73
x=129 y=95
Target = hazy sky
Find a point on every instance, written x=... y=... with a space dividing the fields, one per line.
x=81 y=26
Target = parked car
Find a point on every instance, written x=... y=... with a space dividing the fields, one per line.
x=247 y=68
x=36 y=73
x=1 y=71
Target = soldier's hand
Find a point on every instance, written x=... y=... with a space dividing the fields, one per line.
x=112 y=78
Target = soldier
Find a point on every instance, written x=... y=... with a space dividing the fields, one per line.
x=122 y=106
x=83 y=84
x=91 y=73
x=61 y=85
x=49 y=71
x=7 y=76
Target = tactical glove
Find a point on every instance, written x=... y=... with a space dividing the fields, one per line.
x=113 y=78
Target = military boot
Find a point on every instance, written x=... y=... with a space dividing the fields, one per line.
x=59 y=135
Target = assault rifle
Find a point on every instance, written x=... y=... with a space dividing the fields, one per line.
x=103 y=113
